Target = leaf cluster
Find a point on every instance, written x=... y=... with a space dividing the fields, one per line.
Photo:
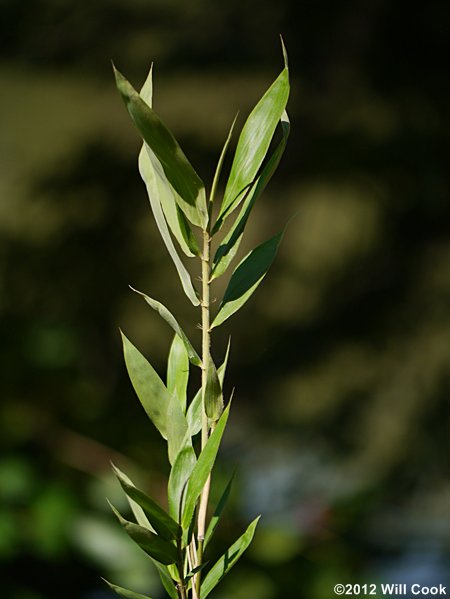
x=173 y=539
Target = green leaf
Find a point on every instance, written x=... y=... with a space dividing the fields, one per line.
x=194 y=412
x=179 y=171
x=220 y=165
x=202 y=469
x=227 y=561
x=179 y=475
x=171 y=321
x=156 y=547
x=138 y=512
x=152 y=172
x=177 y=429
x=178 y=371
x=156 y=191
x=213 y=398
x=125 y=592
x=230 y=244
x=166 y=579
x=218 y=512
x=254 y=143
x=150 y=389
x=163 y=524
x=246 y=277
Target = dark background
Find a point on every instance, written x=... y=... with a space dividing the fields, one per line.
x=340 y=421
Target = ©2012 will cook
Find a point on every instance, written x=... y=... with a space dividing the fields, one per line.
x=189 y=220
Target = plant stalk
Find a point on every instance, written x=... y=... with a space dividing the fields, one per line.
x=206 y=345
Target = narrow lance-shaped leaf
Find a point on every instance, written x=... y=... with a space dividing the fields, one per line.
x=138 y=512
x=218 y=512
x=153 y=173
x=230 y=244
x=161 y=550
x=125 y=592
x=246 y=277
x=178 y=371
x=179 y=476
x=177 y=429
x=150 y=389
x=254 y=143
x=194 y=412
x=227 y=561
x=171 y=321
x=219 y=166
x=154 y=194
x=178 y=169
x=201 y=471
x=163 y=524
x=213 y=398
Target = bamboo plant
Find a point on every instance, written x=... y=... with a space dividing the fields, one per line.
x=177 y=540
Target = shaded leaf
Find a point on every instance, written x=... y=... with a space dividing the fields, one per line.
x=166 y=579
x=178 y=371
x=171 y=321
x=253 y=144
x=227 y=561
x=218 y=512
x=138 y=512
x=213 y=398
x=159 y=549
x=194 y=412
x=246 y=277
x=177 y=429
x=202 y=469
x=150 y=389
x=156 y=191
x=163 y=524
x=231 y=242
x=179 y=172
x=125 y=592
x=179 y=475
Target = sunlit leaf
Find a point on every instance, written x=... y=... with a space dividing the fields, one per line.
x=150 y=389
x=246 y=277
x=227 y=561
x=194 y=412
x=213 y=398
x=155 y=194
x=178 y=170
x=202 y=469
x=138 y=512
x=171 y=321
x=220 y=165
x=178 y=371
x=159 y=549
x=164 y=191
x=218 y=512
x=163 y=524
x=179 y=475
x=231 y=242
x=254 y=143
x=125 y=592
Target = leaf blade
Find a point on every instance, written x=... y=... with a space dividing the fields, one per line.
x=246 y=278
x=179 y=475
x=231 y=242
x=172 y=322
x=156 y=547
x=202 y=469
x=218 y=512
x=125 y=593
x=253 y=143
x=179 y=171
x=149 y=176
x=163 y=524
x=228 y=560
x=178 y=371
x=149 y=388
x=213 y=397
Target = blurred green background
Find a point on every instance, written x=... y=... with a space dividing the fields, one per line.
x=340 y=424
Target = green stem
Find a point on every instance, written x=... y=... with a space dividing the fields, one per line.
x=206 y=345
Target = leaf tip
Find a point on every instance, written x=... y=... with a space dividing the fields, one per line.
x=285 y=56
